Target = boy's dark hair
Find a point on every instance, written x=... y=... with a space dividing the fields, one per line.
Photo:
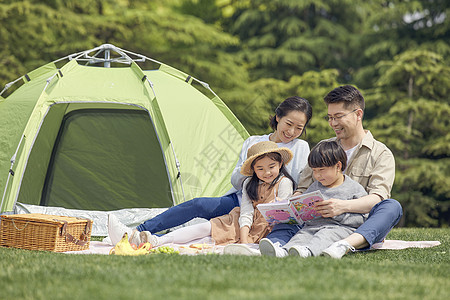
x=327 y=154
x=294 y=103
x=253 y=184
x=349 y=95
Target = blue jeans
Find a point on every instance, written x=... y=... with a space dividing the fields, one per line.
x=382 y=218
x=282 y=233
x=205 y=207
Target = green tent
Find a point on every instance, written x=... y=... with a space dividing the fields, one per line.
x=93 y=131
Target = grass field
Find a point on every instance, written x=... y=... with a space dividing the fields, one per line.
x=382 y=274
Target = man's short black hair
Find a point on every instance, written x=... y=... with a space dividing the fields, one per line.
x=347 y=94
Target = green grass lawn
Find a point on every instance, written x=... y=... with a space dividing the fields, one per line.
x=382 y=274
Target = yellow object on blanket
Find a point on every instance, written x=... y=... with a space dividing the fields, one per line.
x=201 y=246
x=123 y=247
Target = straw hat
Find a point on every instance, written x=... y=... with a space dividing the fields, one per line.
x=262 y=148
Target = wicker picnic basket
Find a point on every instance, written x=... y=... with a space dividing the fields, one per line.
x=45 y=232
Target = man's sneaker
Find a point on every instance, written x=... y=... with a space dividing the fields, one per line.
x=148 y=237
x=301 y=251
x=240 y=249
x=116 y=229
x=338 y=249
x=268 y=248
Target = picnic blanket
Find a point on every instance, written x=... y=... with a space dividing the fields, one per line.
x=97 y=247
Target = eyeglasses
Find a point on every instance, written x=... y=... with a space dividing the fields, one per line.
x=330 y=118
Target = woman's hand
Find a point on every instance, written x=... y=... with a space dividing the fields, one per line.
x=331 y=207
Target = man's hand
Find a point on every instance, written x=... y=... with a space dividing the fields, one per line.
x=331 y=207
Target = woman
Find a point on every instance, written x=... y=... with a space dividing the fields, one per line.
x=289 y=122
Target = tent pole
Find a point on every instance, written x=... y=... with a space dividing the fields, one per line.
x=107 y=59
x=177 y=163
x=6 y=188
x=11 y=172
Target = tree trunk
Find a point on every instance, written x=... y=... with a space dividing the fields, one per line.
x=410 y=116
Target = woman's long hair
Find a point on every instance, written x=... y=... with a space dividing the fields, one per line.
x=253 y=184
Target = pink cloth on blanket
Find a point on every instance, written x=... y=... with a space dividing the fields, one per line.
x=398 y=244
x=96 y=247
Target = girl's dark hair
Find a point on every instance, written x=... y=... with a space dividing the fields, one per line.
x=253 y=184
x=327 y=154
x=293 y=103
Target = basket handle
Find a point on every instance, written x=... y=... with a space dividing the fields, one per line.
x=71 y=239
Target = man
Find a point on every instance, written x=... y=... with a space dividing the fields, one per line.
x=370 y=163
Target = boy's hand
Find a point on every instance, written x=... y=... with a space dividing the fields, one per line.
x=330 y=208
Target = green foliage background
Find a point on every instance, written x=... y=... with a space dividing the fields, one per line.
x=255 y=53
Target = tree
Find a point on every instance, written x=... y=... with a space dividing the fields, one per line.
x=285 y=38
x=394 y=26
x=35 y=33
x=412 y=99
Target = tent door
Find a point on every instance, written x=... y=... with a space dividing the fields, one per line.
x=106 y=159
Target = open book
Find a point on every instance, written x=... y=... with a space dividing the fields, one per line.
x=296 y=210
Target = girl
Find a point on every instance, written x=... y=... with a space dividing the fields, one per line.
x=328 y=162
x=268 y=180
x=288 y=124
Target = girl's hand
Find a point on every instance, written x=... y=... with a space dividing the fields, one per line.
x=330 y=208
x=243 y=241
x=296 y=194
x=280 y=200
x=243 y=235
